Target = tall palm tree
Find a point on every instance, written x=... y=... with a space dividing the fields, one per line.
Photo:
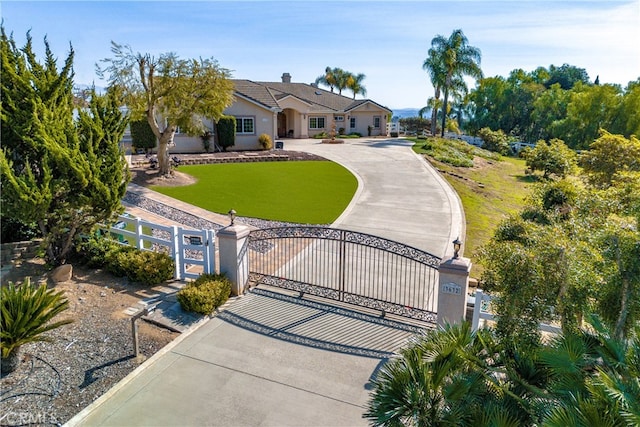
x=354 y=83
x=451 y=59
x=434 y=66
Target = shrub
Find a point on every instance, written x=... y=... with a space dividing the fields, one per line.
x=554 y=158
x=16 y=230
x=147 y=268
x=265 y=141
x=356 y=134
x=96 y=250
x=142 y=136
x=26 y=313
x=495 y=141
x=226 y=132
x=205 y=294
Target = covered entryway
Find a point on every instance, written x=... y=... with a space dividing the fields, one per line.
x=287 y=123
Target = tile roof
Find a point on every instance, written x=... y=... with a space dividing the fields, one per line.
x=269 y=93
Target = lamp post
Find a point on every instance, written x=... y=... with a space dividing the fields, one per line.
x=232 y=216
x=457 y=244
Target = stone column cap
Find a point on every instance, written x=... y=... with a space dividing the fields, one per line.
x=458 y=265
x=236 y=230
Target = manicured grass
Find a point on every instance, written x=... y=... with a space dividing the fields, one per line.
x=312 y=192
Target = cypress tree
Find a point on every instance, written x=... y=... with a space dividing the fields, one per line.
x=60 y=169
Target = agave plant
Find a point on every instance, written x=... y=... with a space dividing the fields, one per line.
x=26 y=312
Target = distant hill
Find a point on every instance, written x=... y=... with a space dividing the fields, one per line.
x=405 y=112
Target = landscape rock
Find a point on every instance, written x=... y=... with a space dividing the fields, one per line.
x=62 y=274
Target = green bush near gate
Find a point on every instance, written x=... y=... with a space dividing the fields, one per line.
x=205 y=294
x=145 y=267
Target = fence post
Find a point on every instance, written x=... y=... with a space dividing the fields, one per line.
x=452 y=290
x=233 y=260
x=477 y=308
x=139 y=240
x=177 y=255
x=210 y=258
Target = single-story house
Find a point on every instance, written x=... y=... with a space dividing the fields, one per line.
x=292 y=110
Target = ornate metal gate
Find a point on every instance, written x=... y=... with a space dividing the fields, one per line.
x=347 y=266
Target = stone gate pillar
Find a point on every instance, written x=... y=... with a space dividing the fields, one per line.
x=234 y=261
x=452 y=290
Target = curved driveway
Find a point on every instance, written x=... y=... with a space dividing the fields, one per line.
x=269 y=359
x=400 y=196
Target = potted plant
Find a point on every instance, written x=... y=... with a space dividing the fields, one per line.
x=26 y=312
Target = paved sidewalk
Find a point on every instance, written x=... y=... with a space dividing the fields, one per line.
x=272 y=360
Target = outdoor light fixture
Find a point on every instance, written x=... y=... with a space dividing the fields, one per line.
x=232 y=216
x=456 y=247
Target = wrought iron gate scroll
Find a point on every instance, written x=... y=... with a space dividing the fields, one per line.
x=347 y=266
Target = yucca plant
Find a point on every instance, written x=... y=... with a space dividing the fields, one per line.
x=26 y=312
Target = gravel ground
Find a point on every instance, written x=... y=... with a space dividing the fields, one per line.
x=57 y=379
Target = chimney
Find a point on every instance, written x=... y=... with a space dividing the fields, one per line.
x=286 y=78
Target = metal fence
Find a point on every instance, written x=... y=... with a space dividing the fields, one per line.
x=347 y=266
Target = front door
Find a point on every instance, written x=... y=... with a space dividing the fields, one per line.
x=282 y=125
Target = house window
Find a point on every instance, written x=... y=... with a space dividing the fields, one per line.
x=339 y=118
x=245 y=125
x=352 y=123
x=376 y=122
x=316 y=122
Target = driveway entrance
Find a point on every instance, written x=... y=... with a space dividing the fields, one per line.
x=267 y=360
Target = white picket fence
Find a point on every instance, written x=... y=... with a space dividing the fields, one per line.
x=482 y=311
x=192 y=250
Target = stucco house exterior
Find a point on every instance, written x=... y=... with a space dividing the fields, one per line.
x=291 y=110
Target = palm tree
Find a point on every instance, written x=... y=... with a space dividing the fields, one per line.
x=354 y=83
x=435 y=67
x=437 y=380
x=327 y=79
x=25 y=312
x=450 y=59
x=595 y=377
x=342 y=79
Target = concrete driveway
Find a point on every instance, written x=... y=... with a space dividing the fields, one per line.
x=274 y=360
x=400 y=196
x=267 y=360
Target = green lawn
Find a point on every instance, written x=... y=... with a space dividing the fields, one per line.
x=312 y=192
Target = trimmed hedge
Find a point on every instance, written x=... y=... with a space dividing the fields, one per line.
x=205 y=294
x=226 y=134
x=142 y=136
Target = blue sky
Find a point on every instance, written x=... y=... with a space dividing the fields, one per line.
x=386 y=40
